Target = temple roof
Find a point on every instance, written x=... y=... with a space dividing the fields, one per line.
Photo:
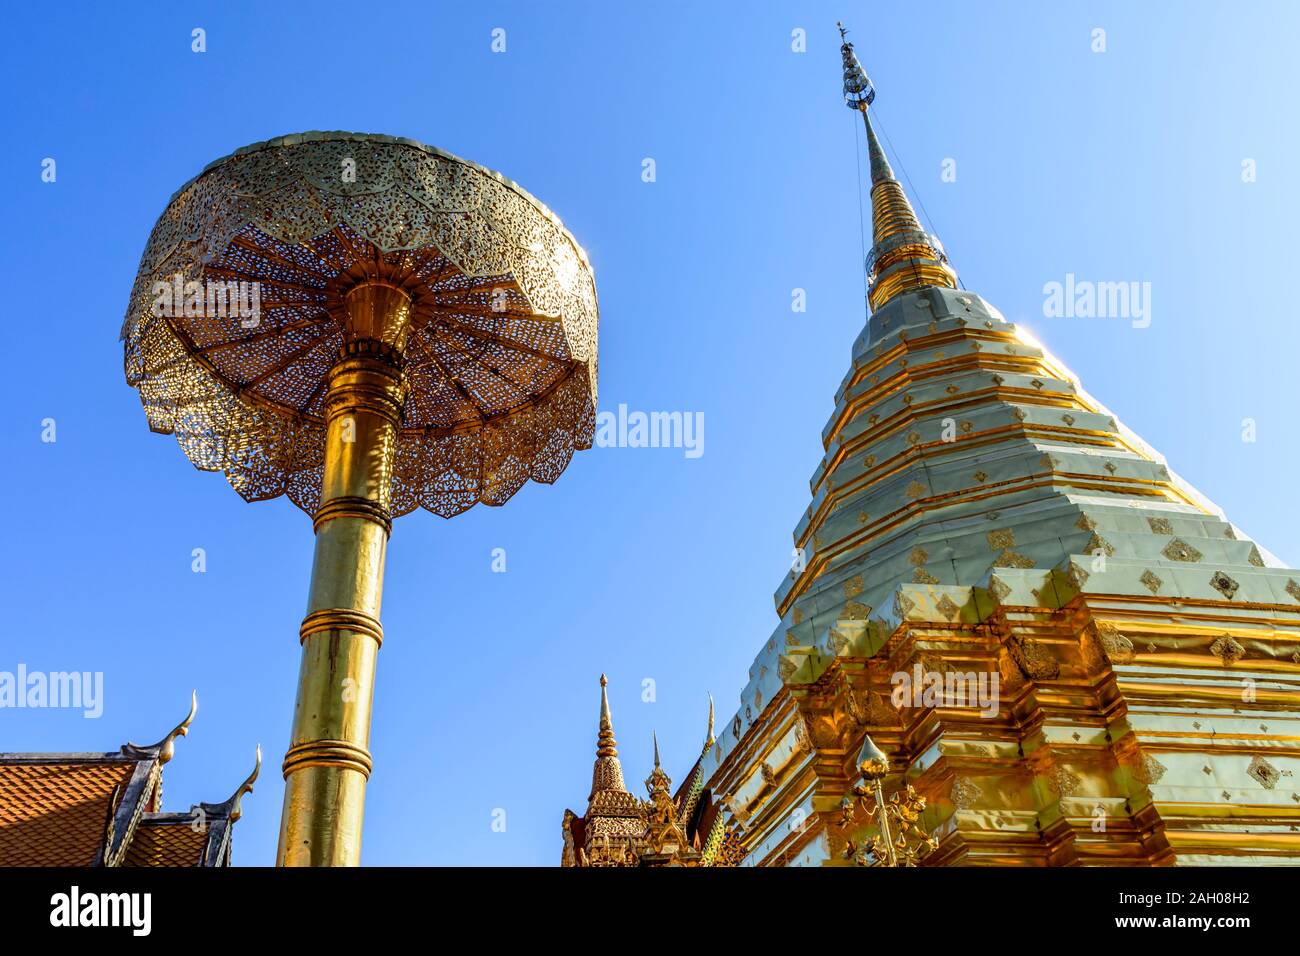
x=105 y=809
x=681 y=828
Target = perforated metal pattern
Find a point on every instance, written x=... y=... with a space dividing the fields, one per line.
x=501 y=357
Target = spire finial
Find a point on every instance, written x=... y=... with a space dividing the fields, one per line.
x=903 y=258
x=606 y=746
x=858 y=91
x=658 y=781
x=608 y=772
x=708 y=734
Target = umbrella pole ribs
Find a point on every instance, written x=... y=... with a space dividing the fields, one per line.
x=328 y=761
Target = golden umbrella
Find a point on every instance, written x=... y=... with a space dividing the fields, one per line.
x=367 y=325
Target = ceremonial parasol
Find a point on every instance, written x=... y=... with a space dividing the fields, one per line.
x=367 y=325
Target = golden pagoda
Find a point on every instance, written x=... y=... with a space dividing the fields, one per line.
x=1016 y=637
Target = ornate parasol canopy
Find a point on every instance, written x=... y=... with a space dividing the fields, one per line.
x=365 y=324
x=498 y=347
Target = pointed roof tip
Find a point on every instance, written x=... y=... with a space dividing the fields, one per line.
x=607 y=774
x=604 y=701
x=230 y=807
x=606 y=745
x=655 y=735
x=165 y=749
x=709 y=739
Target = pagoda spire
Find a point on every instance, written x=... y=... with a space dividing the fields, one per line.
x=658 y=779
x=903 y=257
x=608 y=771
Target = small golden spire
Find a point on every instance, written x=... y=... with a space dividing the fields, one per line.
x=708 y=734
x=658 y=781
x=607 y=774
x=903 y=256
x=606 y=745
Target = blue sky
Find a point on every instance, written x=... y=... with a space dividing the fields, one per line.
x=1117 y=166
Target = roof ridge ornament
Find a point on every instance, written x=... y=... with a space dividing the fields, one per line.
x=230 y=807
x=165 y=749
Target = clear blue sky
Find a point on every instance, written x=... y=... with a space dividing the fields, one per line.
x=1118 y=166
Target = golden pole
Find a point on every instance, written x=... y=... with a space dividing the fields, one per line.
x=328 y=761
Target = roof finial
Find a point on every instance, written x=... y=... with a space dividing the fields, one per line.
x=903 y=256
x=230 y=806
x=708 y=734
x=655 y=735
x=165 y=749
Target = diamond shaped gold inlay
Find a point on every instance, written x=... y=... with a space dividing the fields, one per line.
x=1180 y=550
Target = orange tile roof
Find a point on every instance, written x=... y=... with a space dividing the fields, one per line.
x=56 y=813
x=104 y=809
x=167 y=844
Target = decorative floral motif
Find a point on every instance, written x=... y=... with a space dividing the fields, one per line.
x=1117 y=648
x=1224 y=584
x=1227 y=650
x=964 y=793
x=1263 y=771
x=1033 y=659
x=1180 y=550
x=1150 y=770
x=1002 y=538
